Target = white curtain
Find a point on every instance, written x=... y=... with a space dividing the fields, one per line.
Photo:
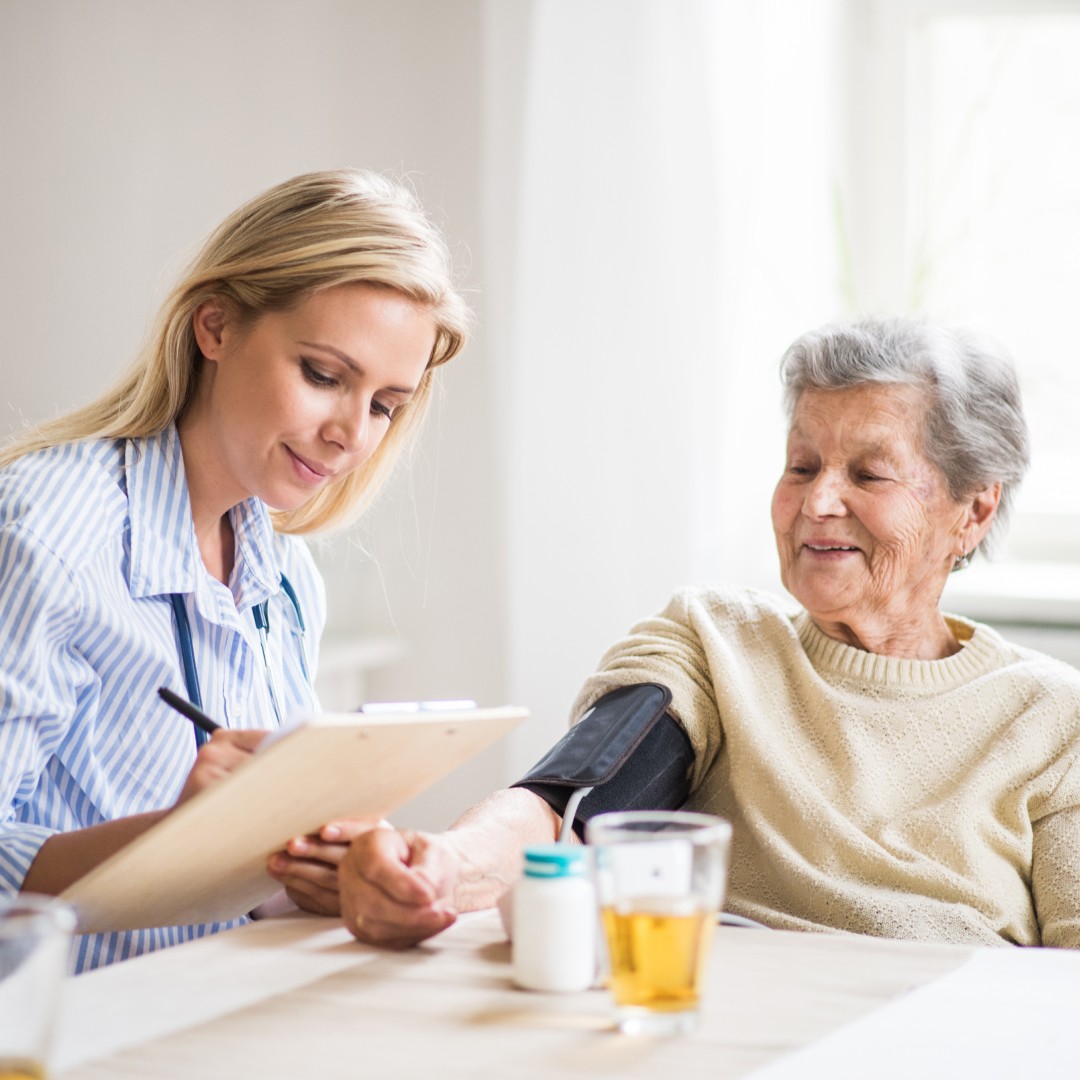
x=671 y=229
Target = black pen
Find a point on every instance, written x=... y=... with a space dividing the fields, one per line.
x=196 y=716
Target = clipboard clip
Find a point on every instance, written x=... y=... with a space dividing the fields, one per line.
x=384 y=708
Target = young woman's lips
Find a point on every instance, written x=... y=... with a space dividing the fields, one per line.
x=308 y=471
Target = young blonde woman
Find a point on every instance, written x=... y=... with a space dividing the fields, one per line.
x=153 y=537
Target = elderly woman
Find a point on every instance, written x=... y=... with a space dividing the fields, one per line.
x=889 y=769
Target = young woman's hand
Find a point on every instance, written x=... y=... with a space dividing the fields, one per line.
x=308 y=867
x=226 y=750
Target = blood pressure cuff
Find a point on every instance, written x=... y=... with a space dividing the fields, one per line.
x=627 y=748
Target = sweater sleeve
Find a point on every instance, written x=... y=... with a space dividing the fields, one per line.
x=39 y=606
x=668 y=650
x=1055 y=863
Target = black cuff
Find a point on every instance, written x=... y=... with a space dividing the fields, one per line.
x=627 y=748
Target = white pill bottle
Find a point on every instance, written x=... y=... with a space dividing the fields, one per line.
x=555 y=920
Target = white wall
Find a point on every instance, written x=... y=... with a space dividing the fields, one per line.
x=639 y=192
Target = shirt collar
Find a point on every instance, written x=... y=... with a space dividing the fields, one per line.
x=256 y=575
x=164 y=553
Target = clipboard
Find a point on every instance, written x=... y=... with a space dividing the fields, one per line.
x=206 y=861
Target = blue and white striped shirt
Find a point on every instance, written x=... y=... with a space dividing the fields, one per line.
x=94 y=537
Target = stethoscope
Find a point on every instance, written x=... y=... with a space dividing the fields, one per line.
x=261 y=614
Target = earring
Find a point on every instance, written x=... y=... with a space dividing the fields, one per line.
x=962 y=561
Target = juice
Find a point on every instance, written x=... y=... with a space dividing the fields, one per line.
x=20 y=1069
x=657 y=948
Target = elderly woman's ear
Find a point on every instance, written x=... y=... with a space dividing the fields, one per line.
x=981 y=508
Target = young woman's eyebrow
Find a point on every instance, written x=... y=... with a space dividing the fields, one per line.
x=352 y=365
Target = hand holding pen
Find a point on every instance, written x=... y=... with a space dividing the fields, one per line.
x=218 y=757
x=307 y=868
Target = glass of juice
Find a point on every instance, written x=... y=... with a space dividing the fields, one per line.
x=660 y=881
x=35 y=942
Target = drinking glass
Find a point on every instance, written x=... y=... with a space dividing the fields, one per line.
x=660 y=881
x=35 y=940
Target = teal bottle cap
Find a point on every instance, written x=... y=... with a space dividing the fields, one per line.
x=555 y=860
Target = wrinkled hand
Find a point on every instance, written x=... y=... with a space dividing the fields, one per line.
x=217 y=758
x=308 y=867
x=397 y=887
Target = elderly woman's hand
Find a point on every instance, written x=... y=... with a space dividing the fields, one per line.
x=397 y=887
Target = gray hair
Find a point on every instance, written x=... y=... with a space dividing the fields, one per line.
x=974 y=429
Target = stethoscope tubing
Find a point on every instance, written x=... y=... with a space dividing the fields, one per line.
x=261 y=615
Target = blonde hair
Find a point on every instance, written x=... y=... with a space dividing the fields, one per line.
x=312 y=232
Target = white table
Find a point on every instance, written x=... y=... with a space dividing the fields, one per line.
x=297 y=997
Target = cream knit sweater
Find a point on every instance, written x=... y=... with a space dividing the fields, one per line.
x=932 y=800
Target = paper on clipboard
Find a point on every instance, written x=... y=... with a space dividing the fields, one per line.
x=206 y=861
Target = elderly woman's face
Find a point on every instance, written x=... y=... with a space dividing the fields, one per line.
x=865 y=527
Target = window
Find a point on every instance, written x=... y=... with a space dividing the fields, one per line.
x=982 y=192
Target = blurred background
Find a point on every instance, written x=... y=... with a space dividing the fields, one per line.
x=647 y=201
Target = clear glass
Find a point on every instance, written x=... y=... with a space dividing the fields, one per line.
x=35 y=942
x=660 y=882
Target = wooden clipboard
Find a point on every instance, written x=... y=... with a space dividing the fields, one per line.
x=206 y=861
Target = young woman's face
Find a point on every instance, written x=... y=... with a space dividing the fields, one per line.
x=300 y=398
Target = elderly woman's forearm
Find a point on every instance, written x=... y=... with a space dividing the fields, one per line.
x=489 y=839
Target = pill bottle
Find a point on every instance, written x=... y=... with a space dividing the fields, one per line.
x=554 y=940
